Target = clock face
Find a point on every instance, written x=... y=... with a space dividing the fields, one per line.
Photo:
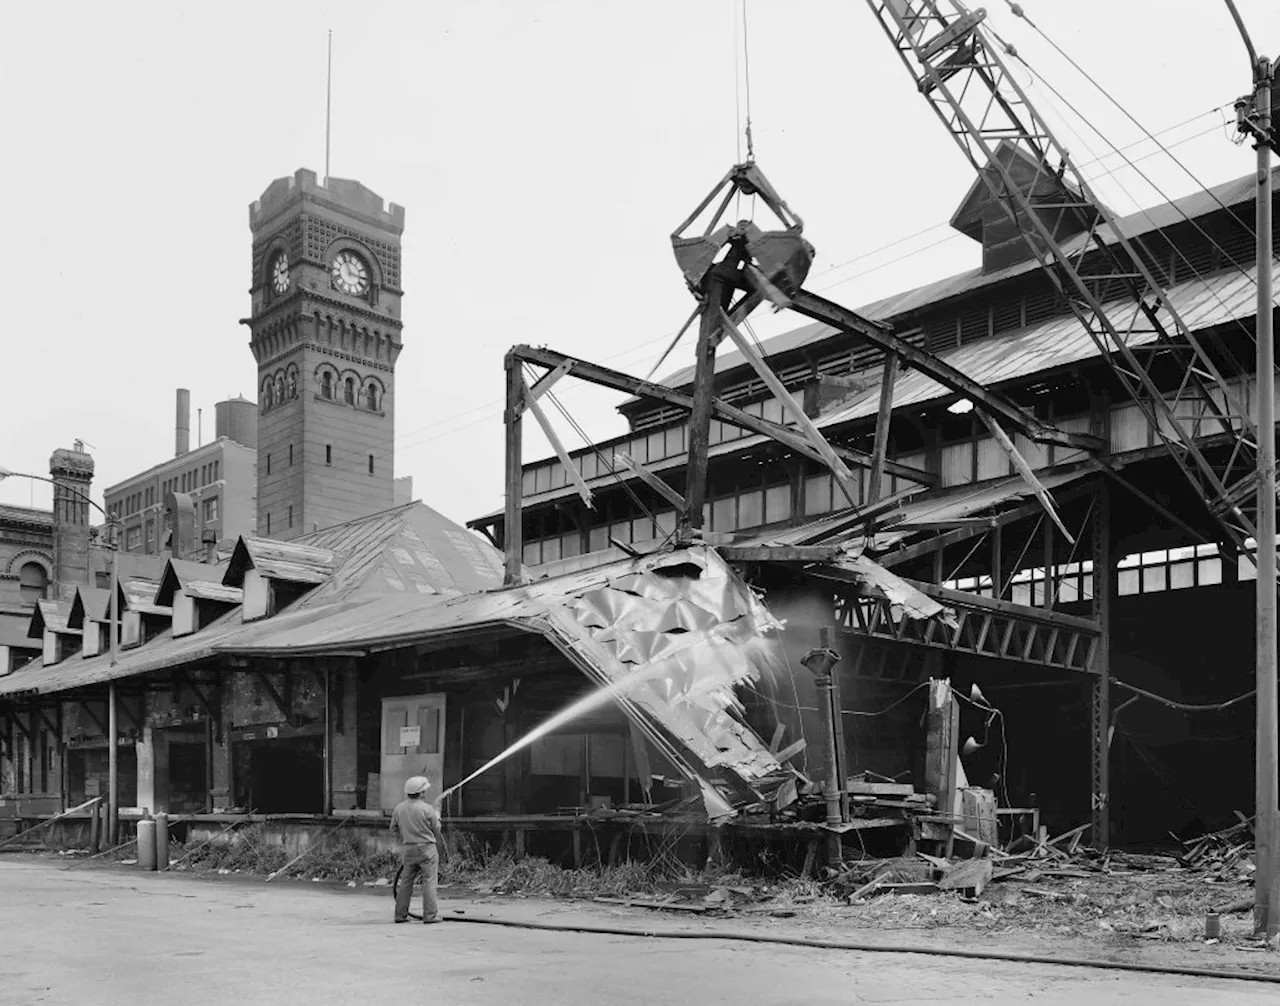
x=349 y=273
x=280 y=272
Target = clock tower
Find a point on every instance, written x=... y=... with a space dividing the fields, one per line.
x=325 y=331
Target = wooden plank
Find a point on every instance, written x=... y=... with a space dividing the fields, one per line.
x=566 y=462
x=881 y=788
x=843 y=477
x=778 y=731
x=881 y=444
x=791 y=750
x=968 y=875
x=1024 y=470
x=650 y=479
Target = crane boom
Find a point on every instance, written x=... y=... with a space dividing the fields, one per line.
x=1189 y=386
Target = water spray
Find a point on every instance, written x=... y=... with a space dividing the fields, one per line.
x=566 y=715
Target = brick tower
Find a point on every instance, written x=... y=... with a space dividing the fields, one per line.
x=72 y=475
x=325 y=330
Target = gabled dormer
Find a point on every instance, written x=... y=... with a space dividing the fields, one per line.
x=49 y=625
x=142 y=619
x=91 y=614
x=194 y=591
x=985 y=219
x=274 y=574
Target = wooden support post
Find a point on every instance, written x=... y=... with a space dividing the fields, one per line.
x=512 y=528
x=881 y=446
x=328 y=743
x=1100 y=719
x=709 y=333
x=941 y=749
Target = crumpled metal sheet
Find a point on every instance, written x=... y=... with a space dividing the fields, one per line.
x=902 y=597
x=687 y=631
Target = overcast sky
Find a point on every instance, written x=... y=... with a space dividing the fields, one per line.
x=543 y=150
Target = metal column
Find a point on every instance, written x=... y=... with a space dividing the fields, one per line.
x=1267 y=881
x=1100 y=720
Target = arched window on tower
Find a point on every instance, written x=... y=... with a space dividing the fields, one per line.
x=33 y=583
x=326 y=385
x=267 y=394
x=349 y=391
x=371 y=397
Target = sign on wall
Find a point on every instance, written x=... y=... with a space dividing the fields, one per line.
x=410 y=737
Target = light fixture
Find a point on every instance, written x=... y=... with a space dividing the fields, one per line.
x=970 y=746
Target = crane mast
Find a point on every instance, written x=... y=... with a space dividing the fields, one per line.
x=1190 y=387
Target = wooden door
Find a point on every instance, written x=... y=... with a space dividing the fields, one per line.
x=412 y=744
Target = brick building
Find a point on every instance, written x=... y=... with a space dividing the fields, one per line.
x=212 y=487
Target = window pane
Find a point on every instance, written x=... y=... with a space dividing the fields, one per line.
x=1248 y=571
x=1154 y=578
x=817 y=494
x=777 y=504
x=666 y=522
x=429 y=730
x=532 y=553
x=570 y=545
x=395 y=719
x=723 y=517
x=599 y=539
x=621 y=531
x=1127 y=582
x=1181 y=574
x=657 y=446
x=1021 y=593
x=751 y=509
x=550 y=549
x=642 y=529
x=1069 y=590
x=1210 y=571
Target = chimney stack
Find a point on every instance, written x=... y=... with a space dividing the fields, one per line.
x=182 y=425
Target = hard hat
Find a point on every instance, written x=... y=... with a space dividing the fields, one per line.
x=416 y=784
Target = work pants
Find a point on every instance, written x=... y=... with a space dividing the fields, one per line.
x=418 y=860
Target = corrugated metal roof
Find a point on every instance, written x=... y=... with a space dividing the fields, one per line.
x=280 y=560
x=408 y=549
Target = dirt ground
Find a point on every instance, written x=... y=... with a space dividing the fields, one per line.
x=114 y=934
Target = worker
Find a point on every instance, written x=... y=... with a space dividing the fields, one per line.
x=416 y=823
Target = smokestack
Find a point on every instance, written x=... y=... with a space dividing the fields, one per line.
x=182 y=424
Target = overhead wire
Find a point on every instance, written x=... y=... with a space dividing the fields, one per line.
x=1019 y=11
x=1177 y=251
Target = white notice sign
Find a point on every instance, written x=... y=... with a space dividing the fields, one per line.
x=410 y=736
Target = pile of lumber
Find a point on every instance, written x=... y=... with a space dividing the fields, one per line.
x=1223 y=852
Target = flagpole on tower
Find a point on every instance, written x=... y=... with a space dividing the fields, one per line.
x=328 y=106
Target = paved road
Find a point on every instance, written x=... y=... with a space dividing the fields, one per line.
x=88 y=936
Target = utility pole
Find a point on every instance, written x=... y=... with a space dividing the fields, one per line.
x=1253 y=118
